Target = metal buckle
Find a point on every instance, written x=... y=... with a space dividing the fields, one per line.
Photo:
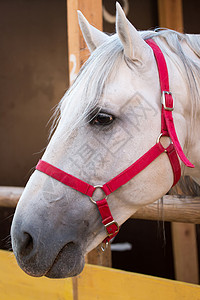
x=110 y=223
x=163 y=101
x=98 y=186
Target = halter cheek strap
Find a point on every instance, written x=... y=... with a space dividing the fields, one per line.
x=167 y=123
x=167 y=129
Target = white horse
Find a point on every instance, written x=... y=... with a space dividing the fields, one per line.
x=109 y=117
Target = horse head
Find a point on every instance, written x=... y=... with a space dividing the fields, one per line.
x=109 y=117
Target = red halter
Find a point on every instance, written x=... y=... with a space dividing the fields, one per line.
x=167 y=129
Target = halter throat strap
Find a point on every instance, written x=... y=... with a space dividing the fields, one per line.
x=167 y=129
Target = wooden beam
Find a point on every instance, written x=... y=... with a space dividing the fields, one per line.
x=175 y=208
x=93 y=283
x=185 y=252
x=17 y=285
x=77 y=49
x=9 y=196
x=170 y=14
x=104 y=283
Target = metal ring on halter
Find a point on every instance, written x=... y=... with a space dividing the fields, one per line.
x=98 y=186
x=159 y=137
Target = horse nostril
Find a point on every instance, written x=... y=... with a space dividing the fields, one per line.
x=27 y=244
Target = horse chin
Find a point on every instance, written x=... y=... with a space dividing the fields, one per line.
x=68 y=263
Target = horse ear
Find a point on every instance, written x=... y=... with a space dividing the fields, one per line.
x=93 y=37
x=135 y=48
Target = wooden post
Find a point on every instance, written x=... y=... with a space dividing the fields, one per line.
x=170 y=14
x=77 y=55
x=185 y=252
x=77 y=49
x=183 y=235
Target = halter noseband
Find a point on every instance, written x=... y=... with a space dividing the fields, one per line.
x=167 y=129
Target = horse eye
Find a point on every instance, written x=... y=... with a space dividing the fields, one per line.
x=102 y=119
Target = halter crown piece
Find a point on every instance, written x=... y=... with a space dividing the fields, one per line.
x=167 y=129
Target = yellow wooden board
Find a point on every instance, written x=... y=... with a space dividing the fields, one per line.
x=93 y=283
x=16 y=285
x=109 y=284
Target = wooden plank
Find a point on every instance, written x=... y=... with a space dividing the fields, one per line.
x=93 y=283
x=16 y=285
x=185 y=252
x=9 y=196
x=170 y=14
x=175 y=208
x=77 y=49
x=73 y=39
x=104 y=283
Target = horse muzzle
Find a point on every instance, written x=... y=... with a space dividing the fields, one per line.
x=50 y=256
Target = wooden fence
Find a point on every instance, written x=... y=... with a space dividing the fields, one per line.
x=93 y=283
x=175 y=208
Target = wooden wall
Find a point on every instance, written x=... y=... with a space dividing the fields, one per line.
x=33 y=77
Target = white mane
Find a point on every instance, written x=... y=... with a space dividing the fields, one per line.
x=105 y=59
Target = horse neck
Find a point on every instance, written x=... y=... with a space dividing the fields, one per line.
x=191 y=107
